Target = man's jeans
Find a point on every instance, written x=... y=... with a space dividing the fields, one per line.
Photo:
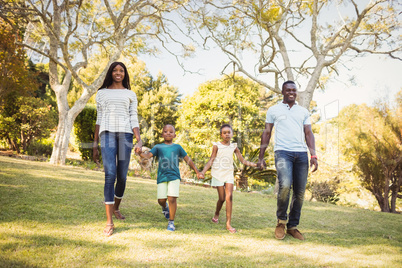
x=116 y=151
x=292 y=169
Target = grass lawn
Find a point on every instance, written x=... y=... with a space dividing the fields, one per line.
x=54 y=216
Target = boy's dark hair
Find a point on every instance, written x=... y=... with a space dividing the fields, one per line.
x=288 y=82
x=171 y=126
x=225 y=125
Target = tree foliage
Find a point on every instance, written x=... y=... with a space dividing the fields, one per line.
x=374 y=141
x=73 y=31
x=158 y=105
x=31 y=119
x=234 y=100
x=23 y=117
x=15 y=79
x=298 y=40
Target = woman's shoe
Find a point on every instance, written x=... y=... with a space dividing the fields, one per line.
x=215 y=220
x=108 y=231
x=118 y=215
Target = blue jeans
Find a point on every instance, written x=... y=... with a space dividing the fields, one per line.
x=292 y=169
x=116 y=151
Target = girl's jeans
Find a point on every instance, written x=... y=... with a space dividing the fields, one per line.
x=292 y=169
x=116 y=151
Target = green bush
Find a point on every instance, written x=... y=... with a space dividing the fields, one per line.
x=84 y=129
x=325 y=191
x=41 y=147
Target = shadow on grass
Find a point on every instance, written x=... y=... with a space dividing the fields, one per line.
x=15 y=252
x=43 y=193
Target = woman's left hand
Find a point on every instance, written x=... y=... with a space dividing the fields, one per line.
x=138 y=147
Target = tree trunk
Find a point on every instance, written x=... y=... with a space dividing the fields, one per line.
x=394 y=196
x=61 y=142
x=66 y=121
x=380 y=201
x=243 y=182
x=386 y=195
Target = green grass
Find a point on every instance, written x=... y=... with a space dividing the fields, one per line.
x=53 y=216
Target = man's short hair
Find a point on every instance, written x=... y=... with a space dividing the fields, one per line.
x=288 y=82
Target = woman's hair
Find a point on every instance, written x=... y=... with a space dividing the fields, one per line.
x=225 y=125
x=109 y=78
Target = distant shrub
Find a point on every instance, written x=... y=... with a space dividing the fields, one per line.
x=325 y=191
x=42 y=147
x=84 y=129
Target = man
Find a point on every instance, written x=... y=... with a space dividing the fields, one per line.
x=292 y=132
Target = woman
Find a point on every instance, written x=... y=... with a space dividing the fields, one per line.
x=116 y=123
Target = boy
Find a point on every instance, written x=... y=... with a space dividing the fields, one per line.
x=168 y=172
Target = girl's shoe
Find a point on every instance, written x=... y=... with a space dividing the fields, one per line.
x=108 y=231
x=232 y=230
x=215 y=220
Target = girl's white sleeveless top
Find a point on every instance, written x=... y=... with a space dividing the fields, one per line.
x=222 y=168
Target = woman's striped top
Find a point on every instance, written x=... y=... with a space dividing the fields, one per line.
x=116 y=110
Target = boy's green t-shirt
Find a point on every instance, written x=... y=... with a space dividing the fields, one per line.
x=169 y=155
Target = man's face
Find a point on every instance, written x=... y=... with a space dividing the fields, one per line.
x=289 y=93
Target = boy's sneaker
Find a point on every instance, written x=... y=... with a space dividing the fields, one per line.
x=165 y=211
x=171 y=226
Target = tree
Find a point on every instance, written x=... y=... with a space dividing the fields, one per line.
x=15 y=79
x=75 y=31
x=297 y=39
x=22 y=116
x=232 y=99
x=31 y=120
x=374 y=141
x=158 y=105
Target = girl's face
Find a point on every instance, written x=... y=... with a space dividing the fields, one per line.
x=227 y=134
x=118 y=74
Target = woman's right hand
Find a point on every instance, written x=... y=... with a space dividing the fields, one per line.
x=95 y=153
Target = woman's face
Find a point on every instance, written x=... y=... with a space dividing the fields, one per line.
x=118 y=74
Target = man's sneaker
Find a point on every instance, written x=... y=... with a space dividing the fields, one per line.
x=171 y=226
x=280 y=231
x=165 y=211
x=295 y=233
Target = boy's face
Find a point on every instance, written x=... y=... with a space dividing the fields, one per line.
x=168 y=133
x=227 y=134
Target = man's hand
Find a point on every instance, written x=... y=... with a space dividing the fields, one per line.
x=261 y=164
x=313 y=161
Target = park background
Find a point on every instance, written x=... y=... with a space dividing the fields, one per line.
x=178 y=65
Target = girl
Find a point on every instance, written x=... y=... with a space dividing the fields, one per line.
x=222 y=172
x=116 y=123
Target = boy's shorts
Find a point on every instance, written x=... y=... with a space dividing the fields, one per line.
x=215 y=182
x=170 y=188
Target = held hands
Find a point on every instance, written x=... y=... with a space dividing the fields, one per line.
x=201 y=176
x=138 y=148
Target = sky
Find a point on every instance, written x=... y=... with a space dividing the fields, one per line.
x=364 y=80
x=374 y=77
